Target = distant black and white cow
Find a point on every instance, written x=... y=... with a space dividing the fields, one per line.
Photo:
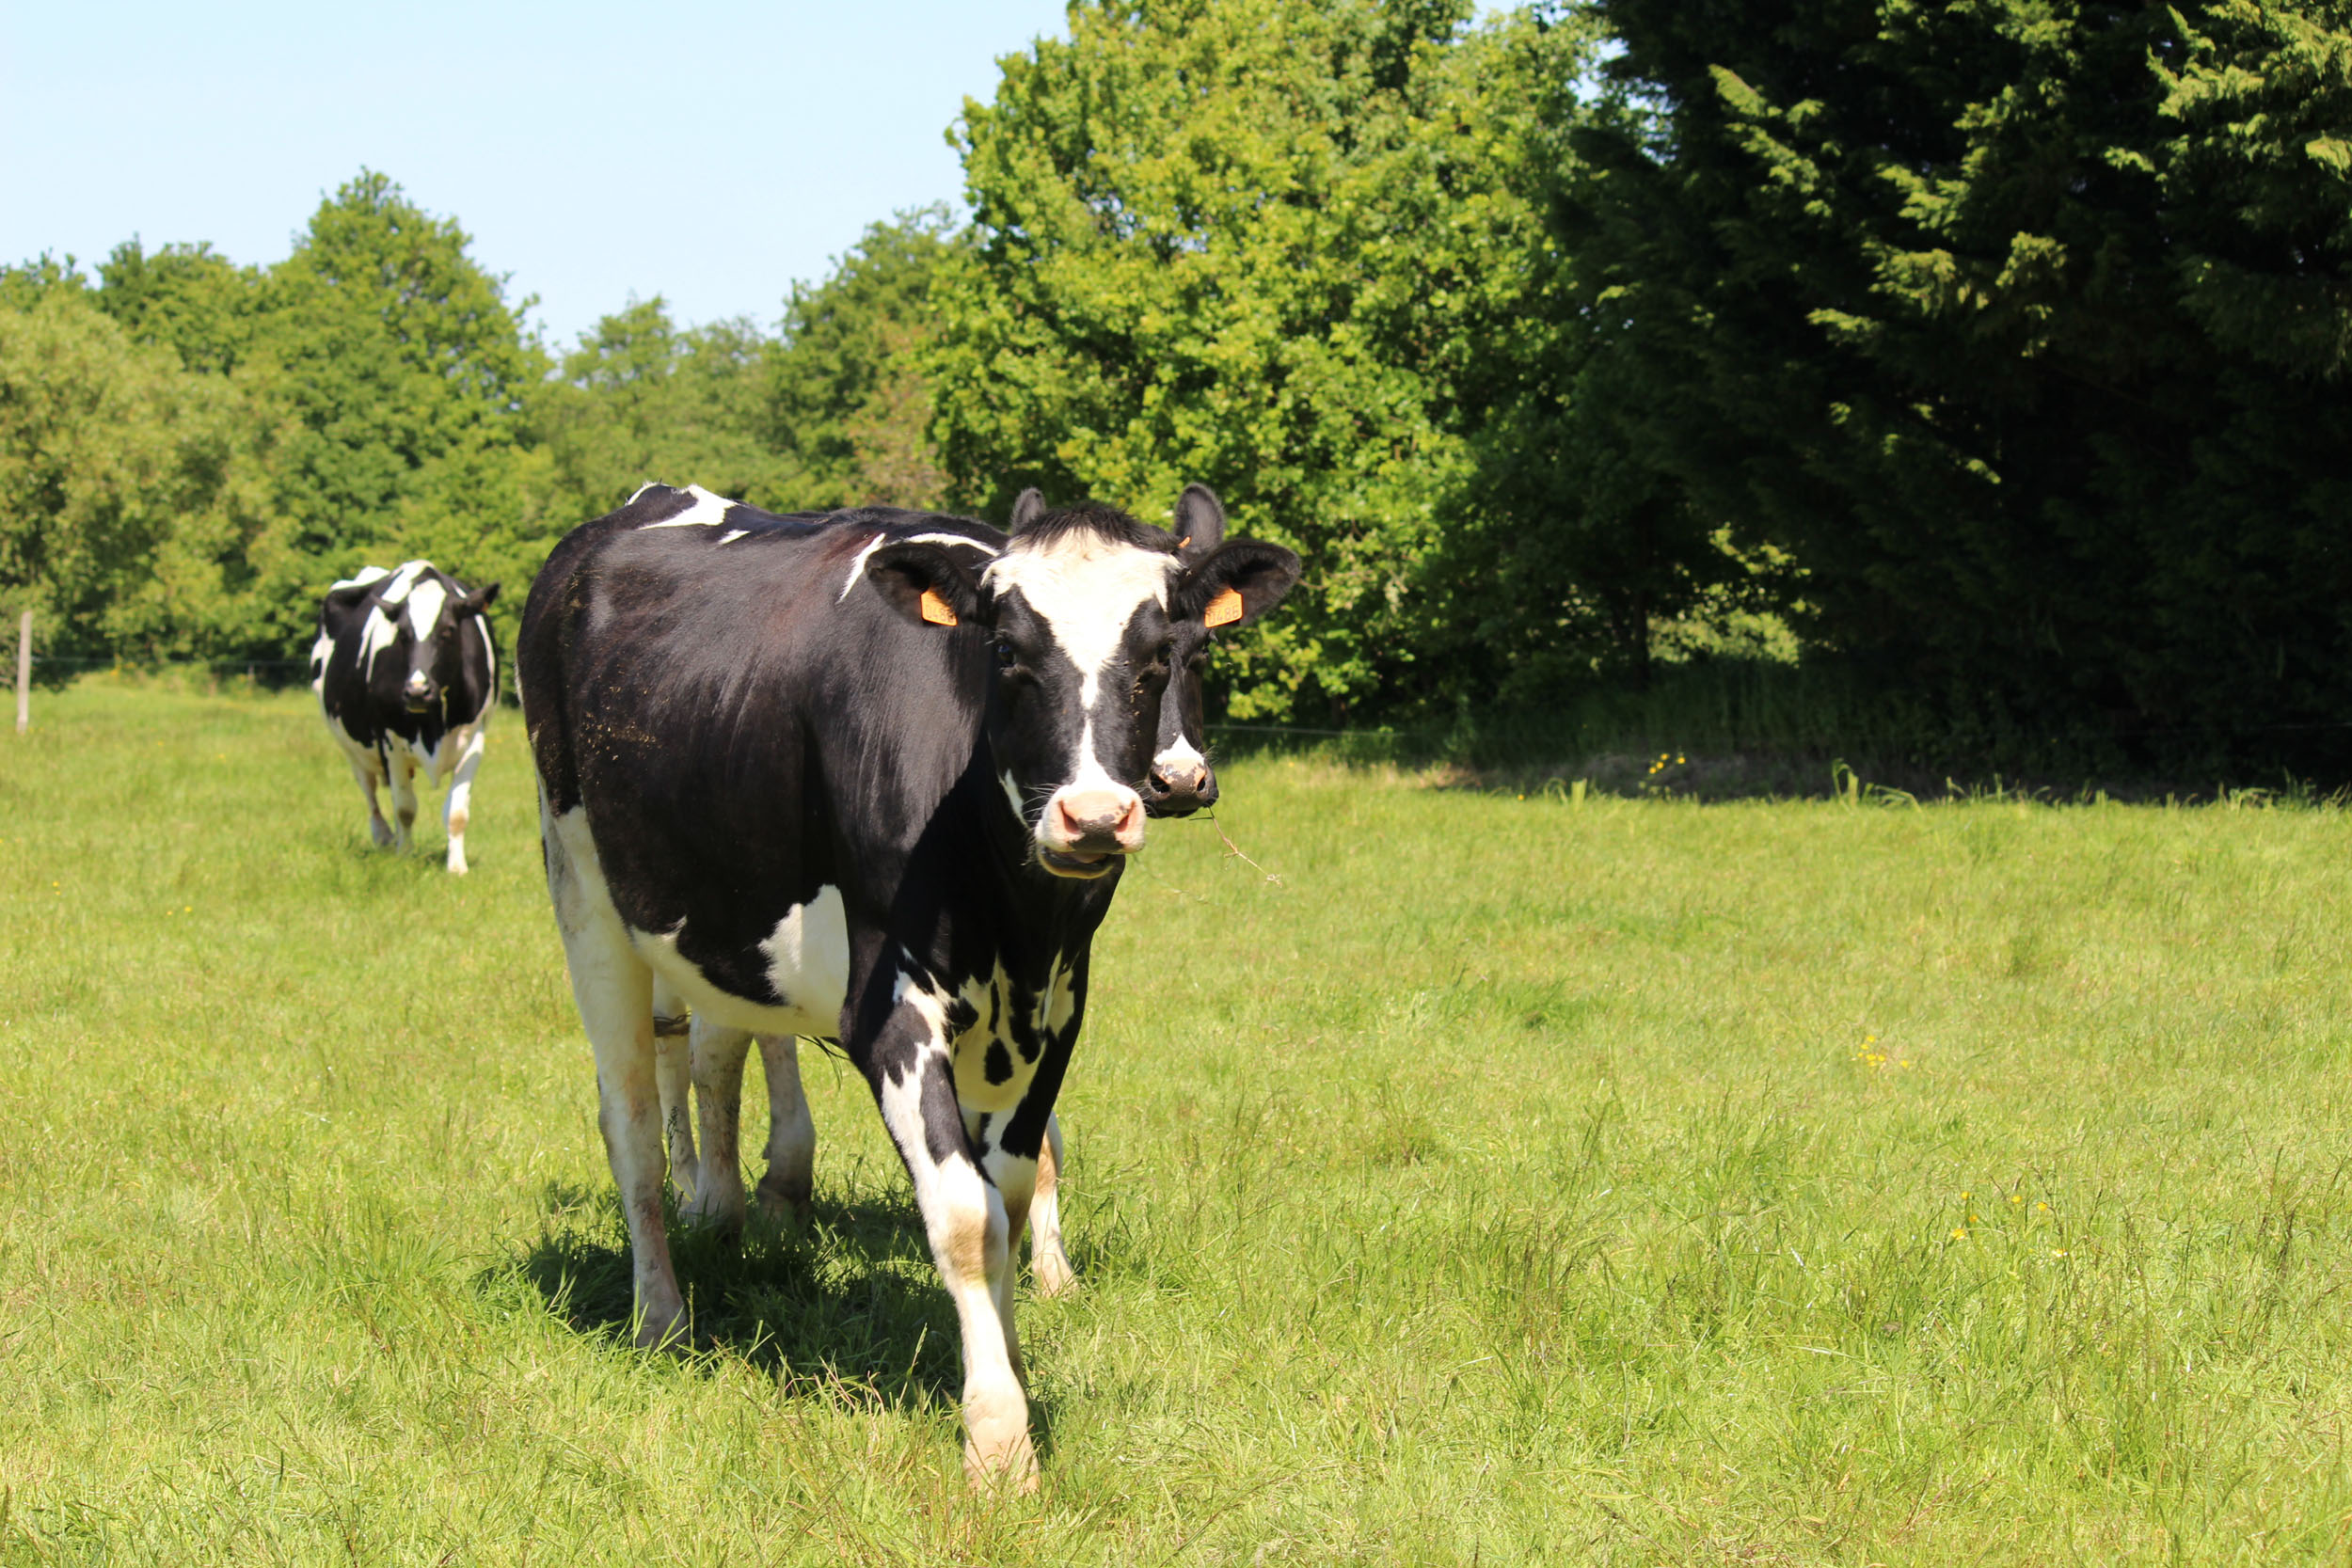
x=826 y=779
x=407 y=674
x=1178 y=783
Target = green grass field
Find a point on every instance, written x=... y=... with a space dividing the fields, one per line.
x=1630 y=1182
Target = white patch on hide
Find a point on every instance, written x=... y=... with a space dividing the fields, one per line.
x=1086 y=590
x=808 y=955
x=709 y=511
x=1182 y=754
x=857 y=567
x=425 y=602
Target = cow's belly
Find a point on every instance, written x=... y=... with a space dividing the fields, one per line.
x=807 y=963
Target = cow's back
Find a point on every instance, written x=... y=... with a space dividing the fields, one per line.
x=737 y=711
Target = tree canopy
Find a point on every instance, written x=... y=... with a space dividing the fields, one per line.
x=1994 y=352
x=2019 y=325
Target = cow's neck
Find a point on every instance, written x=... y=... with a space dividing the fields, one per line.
x=1060 y=913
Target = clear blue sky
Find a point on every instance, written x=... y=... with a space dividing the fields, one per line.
x=709 y=153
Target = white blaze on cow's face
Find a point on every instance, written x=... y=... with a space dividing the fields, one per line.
x=1082 y=636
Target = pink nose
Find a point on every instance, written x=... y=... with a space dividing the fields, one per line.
x=1178 y=778
x=1098 y=819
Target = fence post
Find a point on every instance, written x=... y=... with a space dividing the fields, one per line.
x=24 y=673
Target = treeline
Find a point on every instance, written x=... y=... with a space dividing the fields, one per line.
x=1993 y=354
x=192 y=450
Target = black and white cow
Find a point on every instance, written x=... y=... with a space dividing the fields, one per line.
x=825 y=779
x=1178 y=783
x=407 y=674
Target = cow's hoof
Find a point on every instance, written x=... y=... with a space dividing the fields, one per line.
x=786 y=1201
x=997 y=1452
x=1052 y=1275
x=381 y=834
x=457 y=868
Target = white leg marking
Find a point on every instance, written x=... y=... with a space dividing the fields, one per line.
x=965 y=1220
x=1016 y=1181
x=717 y=1053
x=1049 y=1263
x=613 y=987
x=456 y=811
x=790 y=1183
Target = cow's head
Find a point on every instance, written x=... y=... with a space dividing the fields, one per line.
x=1090 y=614
x=413 y=640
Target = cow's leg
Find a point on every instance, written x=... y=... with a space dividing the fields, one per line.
x=672 y=1061
x=379 y=830
x=456 y=811
x=965 y=1220
x=717 y=1056
x=1049 y=1264
x=1016 y=1179
x=613 y=987
x=790 y=1184
x=403 y=781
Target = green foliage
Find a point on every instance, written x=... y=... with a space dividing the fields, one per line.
x=189 y=297
x=639 y=402
x=850 y=400
x=1250 y=244
x=122 y=484
x=401 y=371
x=831 y=412
x=2019 y=325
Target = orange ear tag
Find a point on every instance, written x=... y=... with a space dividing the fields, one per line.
x=1224 y=610
x=935 y=608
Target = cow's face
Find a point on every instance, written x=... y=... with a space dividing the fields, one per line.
x=415 y=636
x=1180 y=780
x=1088 y=614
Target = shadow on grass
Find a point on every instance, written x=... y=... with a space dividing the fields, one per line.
x=848 y=1300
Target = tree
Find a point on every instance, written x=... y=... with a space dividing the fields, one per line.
x=401 y=373
x=849 y=395
x=117 y=468
x=641 y=401
x=1251 y=244
x=2020 y=325
x=189 y=297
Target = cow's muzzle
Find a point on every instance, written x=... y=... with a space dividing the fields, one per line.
x=1083 y=830
x=1178 y=786
x=416 y=693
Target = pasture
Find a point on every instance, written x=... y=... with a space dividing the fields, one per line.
x=1515 y=1181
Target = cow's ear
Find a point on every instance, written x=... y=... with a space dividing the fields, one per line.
x=1234 y=584
x=482 y=598
x=344 y=595
x=925 y=584
x=1027 y=508
x=1199 y=522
